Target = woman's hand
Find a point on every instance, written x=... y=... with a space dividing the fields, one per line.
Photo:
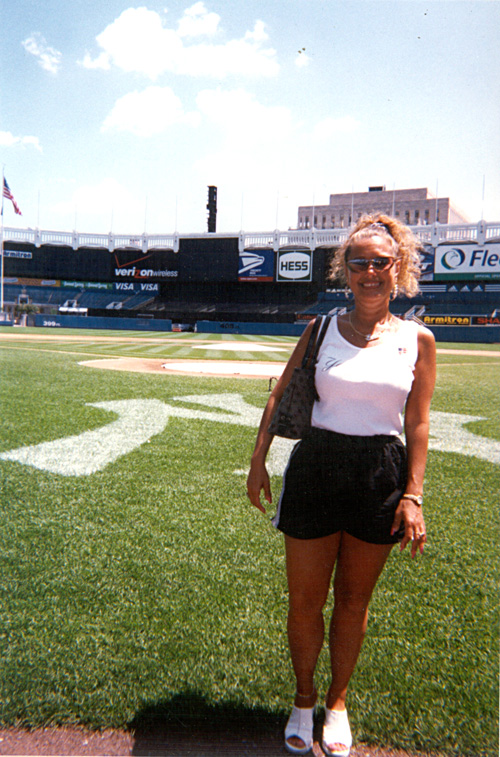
x=258 y=480
x=412 y=517
x=417 y=434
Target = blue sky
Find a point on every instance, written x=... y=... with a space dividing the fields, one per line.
x=116 y=116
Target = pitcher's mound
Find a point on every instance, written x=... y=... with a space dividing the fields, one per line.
x=230 y=368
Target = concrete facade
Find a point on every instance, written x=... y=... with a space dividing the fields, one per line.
x=412 y=206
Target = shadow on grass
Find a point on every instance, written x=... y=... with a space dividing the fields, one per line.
x=187 y=724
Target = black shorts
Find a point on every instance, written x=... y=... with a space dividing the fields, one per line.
x=335 y=482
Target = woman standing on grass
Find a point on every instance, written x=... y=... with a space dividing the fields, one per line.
x=351 y=489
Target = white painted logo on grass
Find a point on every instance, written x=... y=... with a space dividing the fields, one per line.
x=91 y=451
x=140 y=420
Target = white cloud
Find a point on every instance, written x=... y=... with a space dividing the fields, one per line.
x=197 y=22
x=256 y=150
x=243 y=119
x=148 y=112
x=302 y=60
x=266 y=161
x=102 y=61
x=106 y=198
x=48 y=57
x=7 y=139
x=332 y=127
x=238 y=57
x=137 y=41
x=258 y=34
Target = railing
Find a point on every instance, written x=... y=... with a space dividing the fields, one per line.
x=248 y=241
x=275 y=240
x=492 y=230
x=76 y=240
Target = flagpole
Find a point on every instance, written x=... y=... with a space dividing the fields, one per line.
x=1 y=267
x=1 y=246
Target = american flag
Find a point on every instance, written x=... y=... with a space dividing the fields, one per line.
x=8 y=194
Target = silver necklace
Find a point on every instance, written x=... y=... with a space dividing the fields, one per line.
x=368 y=337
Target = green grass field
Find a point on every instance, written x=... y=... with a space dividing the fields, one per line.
x=138 y=576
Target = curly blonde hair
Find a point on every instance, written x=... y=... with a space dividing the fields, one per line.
x=404 y=245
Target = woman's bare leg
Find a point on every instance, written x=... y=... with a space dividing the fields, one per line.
x=309 y=564
x=359 y=565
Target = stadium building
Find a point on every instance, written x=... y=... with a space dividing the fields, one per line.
x=261 y=282
x=412 y=206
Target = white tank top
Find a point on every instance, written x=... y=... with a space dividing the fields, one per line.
x=363 y=390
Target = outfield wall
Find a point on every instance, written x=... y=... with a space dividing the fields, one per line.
x=97 y=322
x=471 y=334
x=150 y=324
x=244 y=327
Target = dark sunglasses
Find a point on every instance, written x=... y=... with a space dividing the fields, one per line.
x=358 y=265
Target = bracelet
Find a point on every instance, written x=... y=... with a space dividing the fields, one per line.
x=416 y=498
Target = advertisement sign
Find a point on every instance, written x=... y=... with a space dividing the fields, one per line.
x=467 y=261
x=461 y=320
x=99 y=285
x=447 y=320
x=143 y=287
x=60 y=263
x=20 y=281
x=256 y=265
x=294 y=265
x=486 y=320
x=23 y=254
x=427 y=262
x=199 y=260
x=152 y=266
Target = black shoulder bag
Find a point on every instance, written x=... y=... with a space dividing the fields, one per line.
x=292 y=418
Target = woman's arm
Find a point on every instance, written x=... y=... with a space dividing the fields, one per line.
x=417 y=436
x=258 y=478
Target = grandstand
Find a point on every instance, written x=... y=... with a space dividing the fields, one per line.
x=50 y=299
x=278 y=278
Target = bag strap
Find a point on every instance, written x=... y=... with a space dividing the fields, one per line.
x=315 y=340
x=311 y=343
x=325 y=323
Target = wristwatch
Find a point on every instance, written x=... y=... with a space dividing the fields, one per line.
x=417 y=498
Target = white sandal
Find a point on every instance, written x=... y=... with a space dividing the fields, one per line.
x=300 y=724
x=337 y=731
